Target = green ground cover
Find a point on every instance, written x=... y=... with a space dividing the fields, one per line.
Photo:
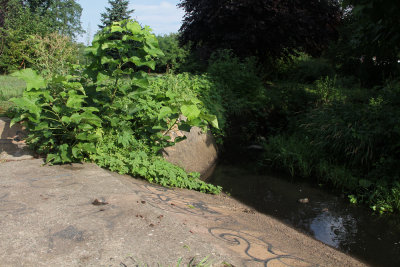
x=9 y=87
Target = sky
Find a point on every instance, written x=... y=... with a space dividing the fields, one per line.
x=163 y=16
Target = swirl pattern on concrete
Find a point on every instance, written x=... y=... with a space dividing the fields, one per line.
x=170 y=200
x=255 y=250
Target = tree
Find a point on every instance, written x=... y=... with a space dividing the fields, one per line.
x=369 y=41
x=21 y=19
x=261 y=28
x=37 y=6
x=19 y=23
x=117 y=12
x=375 y=36
x=65 y=17
x=3 y=11
x=62 y=16
x=174 y=55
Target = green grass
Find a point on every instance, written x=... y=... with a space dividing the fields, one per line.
x=9 y=87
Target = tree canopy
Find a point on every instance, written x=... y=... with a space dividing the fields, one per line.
x=37 y=5
x=22 y=19
x=376 y=27
x=62 y=16
x=117 y=12
x=369 y=42
x=273 y=28
x=174 y=55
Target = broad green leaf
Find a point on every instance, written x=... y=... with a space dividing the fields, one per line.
x=108 y=60
x=66 y=119
x=65 y=157
x=76 y=152
x=101 y=77
x=41 y=126
x=85 y=127
x=196 y=122
x=76 y=118
x=212 y=119
x=195 y=100
x=88 y=147
x=116 y=28
x=32 y=79
x=165 y=111
x=91 y=50
x=82 y=136
x=52 y=158
x=74 y=100
x=134 y=27
x=190 y=111
x=27 y=104
x=15 y=120
x=214 y=122
x=140 y=82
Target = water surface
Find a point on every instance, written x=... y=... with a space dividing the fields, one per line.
x=327 y=217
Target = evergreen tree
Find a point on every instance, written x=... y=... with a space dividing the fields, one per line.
x=117 y=12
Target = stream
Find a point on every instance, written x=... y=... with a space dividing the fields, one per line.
x=329 y=218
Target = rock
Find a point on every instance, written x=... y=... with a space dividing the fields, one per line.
x=197 y=153
x=12 y=146
x=7 y=132
x=303 y=200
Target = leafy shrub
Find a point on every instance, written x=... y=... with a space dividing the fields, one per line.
x=237 y=84
x=53 y=54
x=238 y=81
x=61 y=125
x=308 y=70
x=327 y=91
x=132 y=156
x=108 y=114
x=188 y=86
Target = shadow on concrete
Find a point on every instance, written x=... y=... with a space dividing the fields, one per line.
x=12 y=146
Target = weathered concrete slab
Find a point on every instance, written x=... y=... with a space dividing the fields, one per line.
x=48 y=218
x=12 y=146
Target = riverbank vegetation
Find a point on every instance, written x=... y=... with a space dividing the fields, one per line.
x=315 y=86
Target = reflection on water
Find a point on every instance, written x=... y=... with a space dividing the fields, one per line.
x=328 y=218
x=333 y=229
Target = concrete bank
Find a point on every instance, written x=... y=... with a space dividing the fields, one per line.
x=82 y=215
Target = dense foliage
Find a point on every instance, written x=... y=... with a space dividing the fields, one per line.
x=368 y=46
x=260 y=28
x=106 y=112
x=343 y=138
x=42 y=19
x=175 y=57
